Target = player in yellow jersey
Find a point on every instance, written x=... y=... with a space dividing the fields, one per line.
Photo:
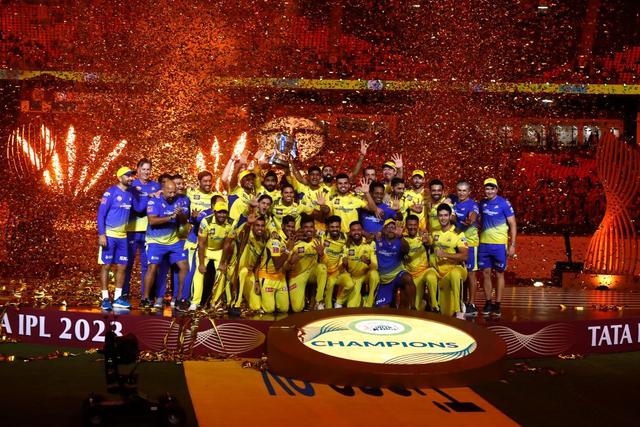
x=250 y=238
x=303 y=264
x=448 y=264
x=268 y=185
x=417 y=263
x=213 y=232
x=310 y=192
x=345 y=204
x=333 y=243
x=414 y=196
x=200 y=198
x=436 y=193
x=392 y=169
x=361 y=268
x=241 y=196
x=286 y=205
x=272 y=281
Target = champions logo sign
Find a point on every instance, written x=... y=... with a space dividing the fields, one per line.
x=387 y=339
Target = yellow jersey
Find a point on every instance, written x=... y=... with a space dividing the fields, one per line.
x=450 y=242
x=215 y=234
x=354 y=253
x=280 y=210
x=200 y=200
x=273 y=248
x=239 y=200
x=432 y=214
x=308 y=257
x=332 y=256
x=412 y=197
x=415 y=262
x=346 y=207
x=252 y=249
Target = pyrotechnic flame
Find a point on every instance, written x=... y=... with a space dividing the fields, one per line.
x=240 y=144
x=219 y=183
x=93 y=152
x=200 y=162
x=57 y=170
x=215 y=153
x=47 y=178
x=117 y=150
x=71 y=152
x=29 y=151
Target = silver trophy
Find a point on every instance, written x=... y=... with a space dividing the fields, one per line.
x=285 y=147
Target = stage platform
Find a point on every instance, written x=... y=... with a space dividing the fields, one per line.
x=535 y=322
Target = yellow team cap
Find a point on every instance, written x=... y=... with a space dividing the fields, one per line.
x=491 y=181
x=124 y=170
x=245 y=173
x=417 y=172
x=220 y=206
x=389 y=221
x=389 y=164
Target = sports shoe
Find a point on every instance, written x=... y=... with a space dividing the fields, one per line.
x=145 y=304
x=495 y=310
x=106 y=305
x=182 y=305
x=122 y=303
x=159 y=303
x=487 y=308
x=471 y=310
x=319 y=306
x=192 y=307
x=234 y=312
x=337 y=305
x=173 y=303
x=459 y=315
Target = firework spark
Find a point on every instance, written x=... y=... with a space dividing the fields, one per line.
x=29 y=151
x=200 y=162
x=240 y=145
x=215 y=153
x=93 y=152
x=71 y=152
x=57 y=170
x=47 y=178
x=117 y=150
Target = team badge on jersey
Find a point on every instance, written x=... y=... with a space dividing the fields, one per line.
x=278 y=211
x=352 y=252
x=326 y=243
x=436 y=237
x=300 y=250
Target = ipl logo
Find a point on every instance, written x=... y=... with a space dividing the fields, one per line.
x=380 y=327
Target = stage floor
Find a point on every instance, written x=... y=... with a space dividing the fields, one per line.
x=535 y=322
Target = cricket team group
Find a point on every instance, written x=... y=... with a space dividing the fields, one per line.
x=276 y=239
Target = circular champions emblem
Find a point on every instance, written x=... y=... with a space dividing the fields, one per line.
x=387 y=339
x=382 y=348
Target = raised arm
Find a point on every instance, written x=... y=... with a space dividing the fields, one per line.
x=356 y=169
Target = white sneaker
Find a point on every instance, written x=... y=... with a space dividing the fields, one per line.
x=193 y=307
x=320 y=306
x=337 y=305
x=459 y=315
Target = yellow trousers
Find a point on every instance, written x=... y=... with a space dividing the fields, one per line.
x=298 y=286
x=351 y=290
x=274 y=294
x=332 y=279
x=420 y=280
x=449 y=287
x=246 y=289
x=212 y=260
